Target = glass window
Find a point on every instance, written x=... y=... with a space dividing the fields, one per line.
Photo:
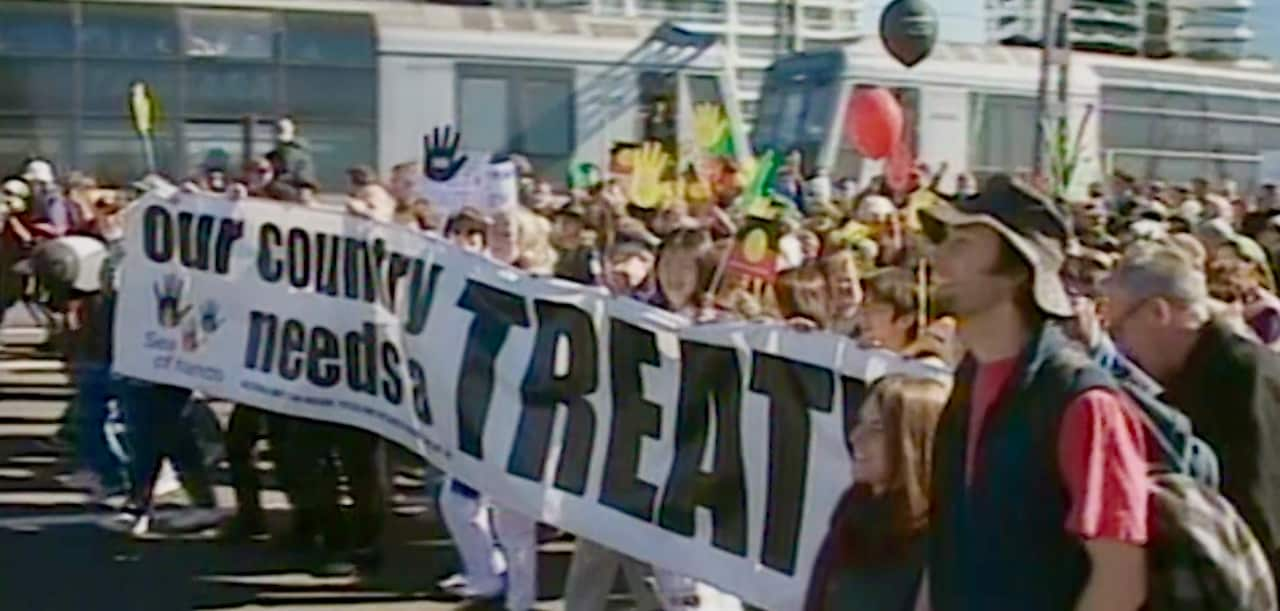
x=229 y=33
x=547 y=109
x=204 y=138
x=36 y=86
x=1268 y=137
x=705 y=88
x=22 y=139
x=39 y=28
x=483 y=113
x=128 y=31
x=230 y=89
x=106 y=85
x=1181 y=169
x=353 y=101
x=1005 y=141
x=1176 y=100
x=1231 y=136
x=1127 y=129
x=1180 y=133
x=1245 y=173
x=818 y=13
x=757 y=14
x=1269 y=108
x=757 y=46
x=1233 y=105
x=112 y=152
x=334 y=148
x=329 y=38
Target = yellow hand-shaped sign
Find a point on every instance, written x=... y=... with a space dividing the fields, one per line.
x=757 y=181
x=648 y=164
x=710 y=126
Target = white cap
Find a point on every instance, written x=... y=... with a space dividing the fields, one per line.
x=38 y=170
x=1147 y=229
x=875 y=207
x=1191 y=210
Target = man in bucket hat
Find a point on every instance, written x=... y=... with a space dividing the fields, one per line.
x=1039 y=482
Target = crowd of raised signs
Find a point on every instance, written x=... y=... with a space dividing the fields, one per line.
x=716 y=240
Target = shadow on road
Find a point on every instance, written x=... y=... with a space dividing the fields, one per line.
x=54 y=555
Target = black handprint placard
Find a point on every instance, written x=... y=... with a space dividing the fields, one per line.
x=440 y=159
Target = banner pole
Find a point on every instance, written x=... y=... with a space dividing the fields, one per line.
x=922 y=279
x=718 y=276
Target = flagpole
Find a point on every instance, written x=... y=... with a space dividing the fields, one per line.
x=142 y=111
x=149 y=153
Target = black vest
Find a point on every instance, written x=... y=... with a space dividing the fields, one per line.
x=1001 y=544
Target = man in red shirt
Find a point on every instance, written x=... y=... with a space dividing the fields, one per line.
x=1040 y=492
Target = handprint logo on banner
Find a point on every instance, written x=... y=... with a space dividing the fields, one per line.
x=440 y=160
x=170 y=294
x=647 y=189
x=210 y=317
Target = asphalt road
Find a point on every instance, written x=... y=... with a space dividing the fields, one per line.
x=55 y=556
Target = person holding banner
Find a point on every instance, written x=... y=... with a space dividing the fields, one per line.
x=803 y=298
x=1031 y=417
x=888 y=318
x=367 y=197
x=578 y=261
x=515 y=237
x=685 y=267
x=844 y=285
x=466 y=514
x=873 y=556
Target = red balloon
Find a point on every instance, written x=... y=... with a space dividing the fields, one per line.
x=873 y=122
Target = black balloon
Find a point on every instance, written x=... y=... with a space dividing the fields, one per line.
x=908 y=29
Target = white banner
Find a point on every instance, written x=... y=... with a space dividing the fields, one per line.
x=717 y=451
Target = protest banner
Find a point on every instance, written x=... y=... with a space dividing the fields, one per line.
x=716 y=451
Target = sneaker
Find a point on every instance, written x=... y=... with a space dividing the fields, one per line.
x=196 y=519
x=166 y=483
x=121 y=522
x=128 y=522
x=142 y=528
x=452 y=582
x=459 y=586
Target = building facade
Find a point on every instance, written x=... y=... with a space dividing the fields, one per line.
x=754 y=32
x=67 y=67
x=1200 y=29
x=1211 y=29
